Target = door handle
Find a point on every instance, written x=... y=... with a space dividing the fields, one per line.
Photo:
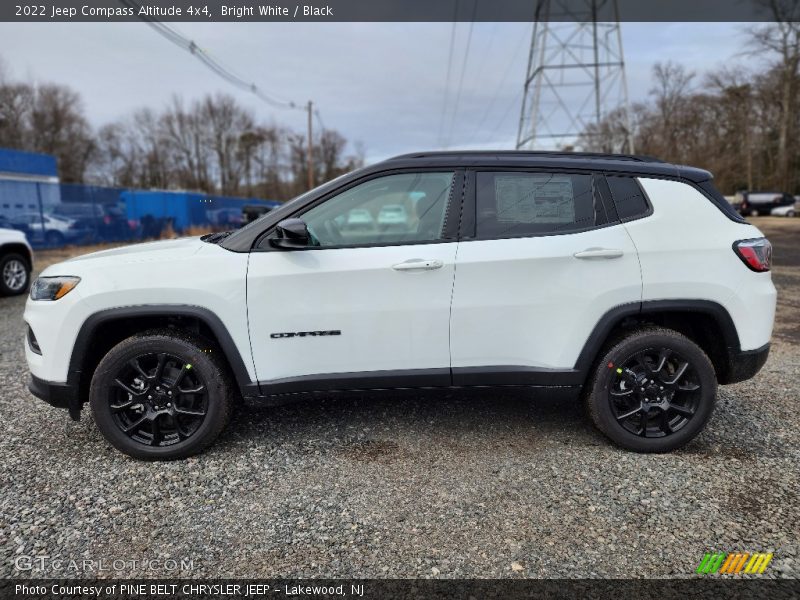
x=418 y=264
x=599 y=253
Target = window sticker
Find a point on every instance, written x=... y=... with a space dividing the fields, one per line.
x=534 y=199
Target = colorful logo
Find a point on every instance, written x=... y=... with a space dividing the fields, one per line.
x=734 y=563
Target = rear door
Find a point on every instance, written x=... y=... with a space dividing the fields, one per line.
x=543 y=259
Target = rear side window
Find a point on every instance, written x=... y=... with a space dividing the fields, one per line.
x=628 y=197
x=513 y=204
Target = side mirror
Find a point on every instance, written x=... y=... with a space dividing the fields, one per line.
x=292 y=234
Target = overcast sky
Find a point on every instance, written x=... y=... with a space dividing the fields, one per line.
x=382 y=84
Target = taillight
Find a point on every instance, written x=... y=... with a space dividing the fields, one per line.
x=755 y=253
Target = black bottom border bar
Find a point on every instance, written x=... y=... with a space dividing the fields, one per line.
x=713 y=586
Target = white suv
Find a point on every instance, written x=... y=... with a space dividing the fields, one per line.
x=16 y=261
x=624 y=280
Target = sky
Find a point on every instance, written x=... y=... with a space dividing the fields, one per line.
x=381 y=84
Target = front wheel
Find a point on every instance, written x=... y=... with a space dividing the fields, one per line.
x=653 y=391
x=161 y=395
x=15 y=274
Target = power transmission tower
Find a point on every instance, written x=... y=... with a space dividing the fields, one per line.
x=576 y=75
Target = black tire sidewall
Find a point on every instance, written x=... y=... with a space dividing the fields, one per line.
x=4 y=289
x=209 y=372
x=626 y=349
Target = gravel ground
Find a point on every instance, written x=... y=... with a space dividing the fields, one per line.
x=412 y=486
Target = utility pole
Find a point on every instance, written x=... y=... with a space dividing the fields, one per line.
x=310 y=157
x=576 y=75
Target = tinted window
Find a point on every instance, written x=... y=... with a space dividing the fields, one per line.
x=407 y=207
x=628 y=197
x=514 y=203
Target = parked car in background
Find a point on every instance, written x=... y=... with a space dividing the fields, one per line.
x=228 y=218
x=755 y=204
x=105 y=221
x=16 y=262
x=784 y=211
x=359 y=218
x=251 y=212
x=51 y=230
x=392 y=214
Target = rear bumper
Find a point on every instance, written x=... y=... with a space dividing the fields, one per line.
x=60 y=395
x=745 y=364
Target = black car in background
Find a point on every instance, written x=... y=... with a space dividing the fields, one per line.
x=760 y=204
x=106 y=221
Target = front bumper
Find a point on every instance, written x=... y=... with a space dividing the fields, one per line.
x=745 y=364
x=60 y=395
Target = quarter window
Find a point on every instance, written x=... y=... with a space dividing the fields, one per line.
x=395 y=209
x=516 y=204
x=628 y=197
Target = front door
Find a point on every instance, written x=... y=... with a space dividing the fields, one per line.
x=369 y=304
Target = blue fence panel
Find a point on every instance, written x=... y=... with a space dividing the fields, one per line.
x=54 y=215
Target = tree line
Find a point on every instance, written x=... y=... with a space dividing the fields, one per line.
x=212 y=145
x=742 y=125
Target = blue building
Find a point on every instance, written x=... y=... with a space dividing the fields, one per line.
x=53 y=214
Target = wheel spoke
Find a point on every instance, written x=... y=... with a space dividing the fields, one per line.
x=662 y=359
x=686 y=412
x=156 y=430
x=619 y=393
x=629 y=414
x=134 y=364
x=194 y=390
x=180 y=376
x=665 y=425
x=128 y=388
x=678 y=374
x=643 y=423
x=688 y=387
x=135 y=425
x=193 y=413
x=123 y=406
x=162 y=360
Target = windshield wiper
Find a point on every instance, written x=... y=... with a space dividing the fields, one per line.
x=216 y=238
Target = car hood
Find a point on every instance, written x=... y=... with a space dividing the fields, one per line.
x=148 y=252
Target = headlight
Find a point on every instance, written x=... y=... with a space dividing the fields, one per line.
x=53 y=288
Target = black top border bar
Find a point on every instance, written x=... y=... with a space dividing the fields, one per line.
x=400 y=10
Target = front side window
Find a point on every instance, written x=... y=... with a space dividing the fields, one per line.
x=520 y=203
x=394 y=209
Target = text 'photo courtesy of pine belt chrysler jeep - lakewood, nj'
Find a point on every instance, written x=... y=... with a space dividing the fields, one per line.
x=622 y=281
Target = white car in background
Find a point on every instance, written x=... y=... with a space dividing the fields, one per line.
x=784 y=211
x=16 y=262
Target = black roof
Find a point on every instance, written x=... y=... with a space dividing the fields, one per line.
x=612 y=163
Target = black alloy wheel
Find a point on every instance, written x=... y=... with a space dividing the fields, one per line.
x=161 y=395
x=158 y=399
x=653 y=390
x=655 y=393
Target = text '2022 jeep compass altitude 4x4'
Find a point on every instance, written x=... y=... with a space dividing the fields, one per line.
x=623 y=279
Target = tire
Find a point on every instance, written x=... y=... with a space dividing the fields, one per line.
x=54 y=238
x=670 y=414
x=790 y=214
x=15 y=275
x=155 y=407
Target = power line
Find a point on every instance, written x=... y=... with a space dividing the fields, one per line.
x=209 y=61
x=463 y=72
x=440 y=139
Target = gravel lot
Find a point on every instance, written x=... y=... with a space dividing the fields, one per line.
x=413 y=486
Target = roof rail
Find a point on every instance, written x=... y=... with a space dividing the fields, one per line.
x=541 y=153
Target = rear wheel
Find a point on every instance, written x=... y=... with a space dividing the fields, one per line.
x=653 y=391
x=161 y=395
x=15 y=274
